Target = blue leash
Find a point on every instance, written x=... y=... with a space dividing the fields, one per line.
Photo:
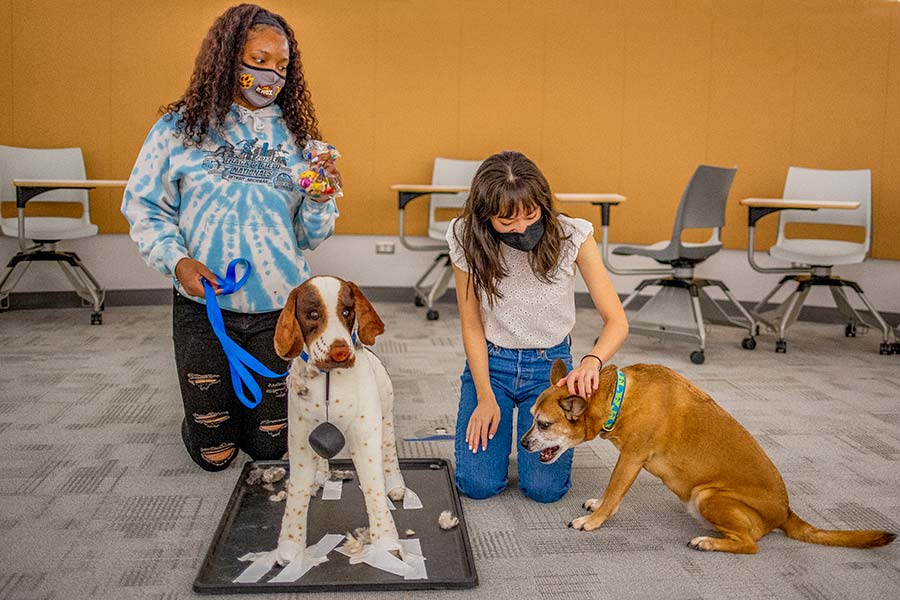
x=240 y=361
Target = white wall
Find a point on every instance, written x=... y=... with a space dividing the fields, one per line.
x=114 y=260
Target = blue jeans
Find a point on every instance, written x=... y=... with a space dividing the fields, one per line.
x=517 y=377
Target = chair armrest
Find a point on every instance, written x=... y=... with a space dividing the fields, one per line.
x=760 y=207
x=604 y=201
x=757 y=208
x=406 y=193
x=26 y=189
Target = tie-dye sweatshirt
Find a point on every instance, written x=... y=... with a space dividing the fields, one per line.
x=234 y=196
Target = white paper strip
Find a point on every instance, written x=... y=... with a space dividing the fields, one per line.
x=380 y=559
x=411 y=553
x=314 y=555
x=411 y=500
x=262 y=564
x=332 y=490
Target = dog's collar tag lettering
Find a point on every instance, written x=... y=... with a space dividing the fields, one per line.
x=616 y=403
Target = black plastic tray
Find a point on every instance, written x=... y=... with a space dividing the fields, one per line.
x=251 y=523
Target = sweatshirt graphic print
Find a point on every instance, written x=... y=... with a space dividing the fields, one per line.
x=236 y=196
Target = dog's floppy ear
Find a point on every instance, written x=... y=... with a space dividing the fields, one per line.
x=288 y=335
x=370 y=324
x=573 y=407
x=557 y=371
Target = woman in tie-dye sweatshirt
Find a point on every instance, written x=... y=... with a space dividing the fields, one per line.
x=216 y=179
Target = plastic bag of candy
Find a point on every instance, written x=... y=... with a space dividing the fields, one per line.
x=315 y=181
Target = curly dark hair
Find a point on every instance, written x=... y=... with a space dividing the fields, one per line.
x=214 y=82
x=504 y=185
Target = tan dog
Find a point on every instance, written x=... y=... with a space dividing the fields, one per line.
x=677 y=432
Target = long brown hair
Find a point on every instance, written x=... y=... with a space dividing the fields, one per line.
x=506 y=184
x=214 y=82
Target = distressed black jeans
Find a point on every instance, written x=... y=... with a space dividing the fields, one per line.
x=216 y=423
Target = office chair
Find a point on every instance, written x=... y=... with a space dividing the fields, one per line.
x=449 y=172
x=813 y=258
x=681 y=307
x=45 y=232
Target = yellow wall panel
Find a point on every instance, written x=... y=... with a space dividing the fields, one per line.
x=416 y=104
x=339 y=64
x=886 y=239
x=155 y=46
x=60 y=68
x=502 y=69
x=6 y=56
x=750 y=116
x=666 y=109
x=840 y=99
x=623 y=96
x=581 y=134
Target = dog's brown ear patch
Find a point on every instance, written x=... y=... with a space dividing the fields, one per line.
x=370 y=324
x=573 y=407
x=288 y=335
x=557 y=371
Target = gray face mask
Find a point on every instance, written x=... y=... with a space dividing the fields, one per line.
x=527 y=240
x=259 y=87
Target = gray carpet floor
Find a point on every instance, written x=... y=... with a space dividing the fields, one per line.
x=98 y=499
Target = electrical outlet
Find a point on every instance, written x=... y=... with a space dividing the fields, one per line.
x=384 y=247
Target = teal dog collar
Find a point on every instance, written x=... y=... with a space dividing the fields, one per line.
x=616 y=403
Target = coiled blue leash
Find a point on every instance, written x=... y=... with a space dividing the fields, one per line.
x=240 y=361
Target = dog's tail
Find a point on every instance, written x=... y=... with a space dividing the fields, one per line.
x=798 y=529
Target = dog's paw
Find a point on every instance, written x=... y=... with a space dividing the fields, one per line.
x=703 y=543
x=591 y=504
x=397 y=493
x=288 y=551
x=578 y=523
x=587 y=522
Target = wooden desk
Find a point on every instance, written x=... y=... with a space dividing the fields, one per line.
x=760 y=207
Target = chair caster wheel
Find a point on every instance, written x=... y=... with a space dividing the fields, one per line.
x=748 y=343
x=697 y=357
x=781 y=347
x=419 y=301
x=96 y=318
x=896 y=346
x=886 y=348
x=850 y=330
x=432 y=315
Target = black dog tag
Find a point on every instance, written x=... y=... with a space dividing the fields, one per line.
x=326 y=440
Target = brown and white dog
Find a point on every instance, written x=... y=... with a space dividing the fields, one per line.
x=325 y=315
x=677 y=432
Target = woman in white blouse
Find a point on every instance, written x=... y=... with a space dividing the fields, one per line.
x=514 y=258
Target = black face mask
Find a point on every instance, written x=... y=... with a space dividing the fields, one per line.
x=527 y=240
